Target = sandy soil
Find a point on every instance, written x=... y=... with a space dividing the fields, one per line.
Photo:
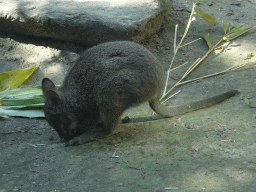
x=211 y=149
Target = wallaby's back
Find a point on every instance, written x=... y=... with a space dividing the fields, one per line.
x=123 y=69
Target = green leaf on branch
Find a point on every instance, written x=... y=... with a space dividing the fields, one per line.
x=232 y=32
x=225 y=28
x=210 y=19
x=208 y=41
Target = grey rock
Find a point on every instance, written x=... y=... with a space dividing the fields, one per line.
x=87 y=22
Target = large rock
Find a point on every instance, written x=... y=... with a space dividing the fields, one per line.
x=84 y=21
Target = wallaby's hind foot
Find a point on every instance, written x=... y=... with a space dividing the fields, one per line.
x=87 y=137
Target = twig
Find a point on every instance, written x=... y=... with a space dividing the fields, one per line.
x=192 y=67
x=114 y=154
x=186 y=73
x=170 y=97
x=178 y=67
x=176 y=48
x=140 y=169
x=214 y=74
x=190 y=42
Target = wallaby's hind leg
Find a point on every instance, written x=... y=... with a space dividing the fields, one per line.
x=111 y=117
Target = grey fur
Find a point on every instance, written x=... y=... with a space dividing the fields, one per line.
x=105 y=81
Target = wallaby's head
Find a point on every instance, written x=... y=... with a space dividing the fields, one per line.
x=55 y=110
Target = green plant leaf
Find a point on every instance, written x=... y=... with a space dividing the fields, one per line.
x=21 y=93
x=235 y=29
x=13 y=79
x=24 y=113
x=230 y=26
x=225 y=28
x=210 y=19
x=235 y=32
x=208 y=41
x=26 y=102
x=36 y=99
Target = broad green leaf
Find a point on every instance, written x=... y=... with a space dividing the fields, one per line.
x=27 y=102
x=32 y=106
x=210 y=19
x=208 y=41
x=13 y=79
x=21 y=93
x=24 y=113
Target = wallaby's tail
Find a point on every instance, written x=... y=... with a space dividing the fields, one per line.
x=181 y=109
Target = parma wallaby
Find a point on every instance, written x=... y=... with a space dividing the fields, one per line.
x=106 y=80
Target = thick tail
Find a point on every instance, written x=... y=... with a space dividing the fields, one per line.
x=181 y=109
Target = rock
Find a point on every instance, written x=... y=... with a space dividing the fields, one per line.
x=84 y=21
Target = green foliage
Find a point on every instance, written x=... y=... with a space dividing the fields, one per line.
x=27 y=102
x=210 y=19
x=232 y=32
x=13 y=79
x=208 y=41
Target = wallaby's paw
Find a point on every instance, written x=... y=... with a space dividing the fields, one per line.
x=80 y=140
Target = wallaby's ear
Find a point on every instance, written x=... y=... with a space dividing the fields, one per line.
x=49 y=92
x=47 y=85
x=52 y=96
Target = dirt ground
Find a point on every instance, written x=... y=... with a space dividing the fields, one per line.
x=211 y=149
